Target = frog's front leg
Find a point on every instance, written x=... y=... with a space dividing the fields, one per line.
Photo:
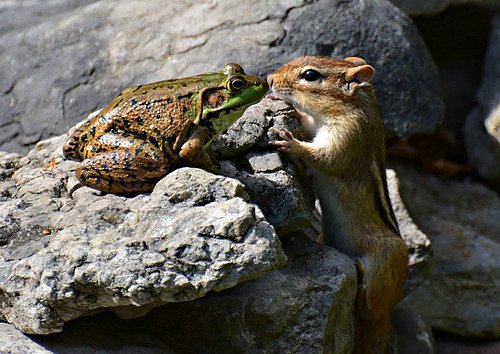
x=193 y=153
x=121 y=171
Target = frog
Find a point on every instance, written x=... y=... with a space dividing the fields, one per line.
x=148 y=130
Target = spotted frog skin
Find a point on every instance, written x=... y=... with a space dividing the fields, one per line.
x=136 y=139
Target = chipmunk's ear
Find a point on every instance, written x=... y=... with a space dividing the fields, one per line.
x=362 y=73
x=357 y=77
x=355 y=60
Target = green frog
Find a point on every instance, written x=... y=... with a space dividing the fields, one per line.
x=136 y=139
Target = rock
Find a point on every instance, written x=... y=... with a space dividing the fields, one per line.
x=14 y=341
x=419 y=245
x=459 y=294
x=285 y=311
x=433 y=7
x=275 y=182
x=483 y=148
x=70 y=58
x=481 y=132
x=492 y=124
x=413 y=335
x=63 y=258
x=100 y=335
x=452 y=344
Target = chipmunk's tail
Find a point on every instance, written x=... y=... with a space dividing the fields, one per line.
x=374 y=337
x=381 y=274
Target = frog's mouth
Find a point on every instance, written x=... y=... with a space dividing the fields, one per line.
x=223 y=119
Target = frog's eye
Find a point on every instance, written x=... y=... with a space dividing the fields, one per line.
x=236 y=84
x=311 y=75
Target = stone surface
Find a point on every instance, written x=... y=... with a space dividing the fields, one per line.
x=481 y=132
x=413 y=335
x=176 y=247
x=62 y=60
x=453 y=344
x=433 y=7
x=419 y=245
x=13 y=341
x=483 y=148
x=460 y=292
x=103 y=334
x=285 y=311
x=274 y=182
x=63 y=257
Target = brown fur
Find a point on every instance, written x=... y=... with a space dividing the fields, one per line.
x=346 y=152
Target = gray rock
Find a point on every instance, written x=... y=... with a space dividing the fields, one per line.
x=285 y=311
x=252 y=129
x=483 y=148
x=196 y=232
x=65 y=257
x=460 y=291
x=61 y=258
x=100 y=335
x=274 y=181
x=434 y=7
x=419 y=245
x=62 y=60
x=413 y=335
x=482 y=137
x=13 y=341
x=282 y=197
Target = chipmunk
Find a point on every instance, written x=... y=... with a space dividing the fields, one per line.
x=341 y=120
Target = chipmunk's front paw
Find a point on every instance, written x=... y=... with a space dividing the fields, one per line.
x=288 y=144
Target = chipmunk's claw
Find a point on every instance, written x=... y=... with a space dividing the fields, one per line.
x=283 y=134
x=284 y=145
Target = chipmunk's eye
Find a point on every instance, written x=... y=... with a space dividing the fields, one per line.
x=311 y=75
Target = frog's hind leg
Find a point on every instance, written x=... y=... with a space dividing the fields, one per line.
x=72 y=146
x=121 y=172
